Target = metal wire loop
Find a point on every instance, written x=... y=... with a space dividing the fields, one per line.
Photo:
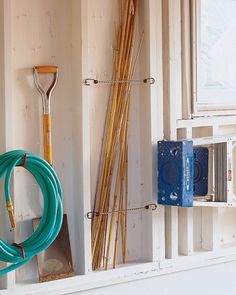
x=91 y=215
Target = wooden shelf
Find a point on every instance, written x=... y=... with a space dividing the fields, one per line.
x=207 y=121
x=213 y=204
x=213 y=139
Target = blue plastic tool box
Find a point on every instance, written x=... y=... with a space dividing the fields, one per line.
x=175 y=173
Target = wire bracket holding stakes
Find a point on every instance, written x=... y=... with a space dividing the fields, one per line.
x=90 y=82
x=92 y=214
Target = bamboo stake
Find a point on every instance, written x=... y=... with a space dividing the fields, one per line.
x=115 y=254
x=121 y=179
x=124 y=224
x=105 y=177
x=126 y=64
x=116 y=188
x=124 y=236
x=117 y=233
x=115 y=144
x=121 y=187
x=101 y=159
x=124 y=228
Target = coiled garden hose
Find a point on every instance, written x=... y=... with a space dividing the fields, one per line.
x=51 y=221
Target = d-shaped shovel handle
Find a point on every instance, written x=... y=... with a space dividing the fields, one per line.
x=46 y=96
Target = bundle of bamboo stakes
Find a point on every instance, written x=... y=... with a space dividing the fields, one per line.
x=110 y=230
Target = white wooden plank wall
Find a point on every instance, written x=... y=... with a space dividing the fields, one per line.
x=79 y=37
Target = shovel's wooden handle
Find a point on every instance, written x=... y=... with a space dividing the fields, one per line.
x=46 y=69
x=47 y=138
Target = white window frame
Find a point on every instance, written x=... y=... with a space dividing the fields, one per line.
x=196 y=108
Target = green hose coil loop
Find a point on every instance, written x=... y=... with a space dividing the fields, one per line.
x=52 y=216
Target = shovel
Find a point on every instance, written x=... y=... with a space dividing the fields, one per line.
x=56 y=261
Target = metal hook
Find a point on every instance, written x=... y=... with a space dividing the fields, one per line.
x=153 y=205
x=87 y=81
x=90 y=215
x=149 y=80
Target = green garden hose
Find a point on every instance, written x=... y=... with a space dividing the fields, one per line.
x=51 y=221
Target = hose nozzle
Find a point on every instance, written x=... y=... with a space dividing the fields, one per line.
x=10 y=210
